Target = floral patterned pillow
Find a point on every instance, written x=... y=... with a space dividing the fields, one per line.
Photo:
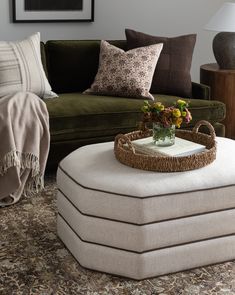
x=127 y=74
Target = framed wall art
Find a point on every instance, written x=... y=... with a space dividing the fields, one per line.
x=53 y=11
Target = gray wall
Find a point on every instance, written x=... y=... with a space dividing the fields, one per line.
x=157 y=17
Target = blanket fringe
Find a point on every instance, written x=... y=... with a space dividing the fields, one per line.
x=35 y=182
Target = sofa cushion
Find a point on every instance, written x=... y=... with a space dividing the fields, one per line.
x=73 y=117
x=73 y=64
x=172 y=74
x=21 y=68
x=125 y=73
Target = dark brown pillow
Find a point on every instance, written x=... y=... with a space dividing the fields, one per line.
x=172 y=74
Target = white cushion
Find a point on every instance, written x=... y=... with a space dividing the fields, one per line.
x=149 y=264
x=21 y=68
x=140 y=224
x=141 y=238
x=98 y=169
x=99 y=185
x=144 y=210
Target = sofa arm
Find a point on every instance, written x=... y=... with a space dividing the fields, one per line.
x=200 y=91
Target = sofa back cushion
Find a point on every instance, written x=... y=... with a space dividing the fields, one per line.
x=125 y=73
x=21 y=67
x=73 y=64
x=172 y=73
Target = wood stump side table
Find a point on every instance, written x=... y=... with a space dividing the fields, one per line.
x=222 y=84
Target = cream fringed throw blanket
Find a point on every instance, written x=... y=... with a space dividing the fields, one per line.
x=24 y=145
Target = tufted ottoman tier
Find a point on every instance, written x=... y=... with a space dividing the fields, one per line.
x=141 y=224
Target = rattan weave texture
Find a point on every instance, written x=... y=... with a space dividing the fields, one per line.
x=126 y=154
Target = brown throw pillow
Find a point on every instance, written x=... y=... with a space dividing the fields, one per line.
x=172 y=74
x=127 y=74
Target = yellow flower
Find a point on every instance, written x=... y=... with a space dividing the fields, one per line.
x=176 y=113
x=181 y=103
x=145 y=108
x=158 y=106
x=178 y=122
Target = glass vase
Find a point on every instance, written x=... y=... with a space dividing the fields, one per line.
x=163 y=136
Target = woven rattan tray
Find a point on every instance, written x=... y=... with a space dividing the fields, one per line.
x=126 y=154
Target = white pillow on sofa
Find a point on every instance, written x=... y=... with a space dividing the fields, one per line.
x=21 y=68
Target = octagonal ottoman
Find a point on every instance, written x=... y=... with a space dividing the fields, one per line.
x=141 y=224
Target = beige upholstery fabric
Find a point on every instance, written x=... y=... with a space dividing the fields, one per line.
x=166 y=195
x=140 y=224
x=139 y=183
x=150 y=264
x=21 y=68
x=123 y=73
x=145 y=210
x=150 y=236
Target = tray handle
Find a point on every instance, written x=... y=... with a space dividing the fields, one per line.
x=208 y=125
x=123 y=139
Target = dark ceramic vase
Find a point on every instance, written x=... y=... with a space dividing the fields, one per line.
x=224 y=50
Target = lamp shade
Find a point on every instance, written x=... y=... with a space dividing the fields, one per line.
x=224 y=42
x=224 y=19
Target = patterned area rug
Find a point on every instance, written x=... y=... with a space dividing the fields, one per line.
x=34 y=261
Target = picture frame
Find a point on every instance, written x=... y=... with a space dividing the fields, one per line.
x=36 y=11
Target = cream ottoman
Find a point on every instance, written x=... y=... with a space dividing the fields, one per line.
x=141 y=224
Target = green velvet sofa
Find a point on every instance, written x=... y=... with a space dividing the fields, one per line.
x=77 y=119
